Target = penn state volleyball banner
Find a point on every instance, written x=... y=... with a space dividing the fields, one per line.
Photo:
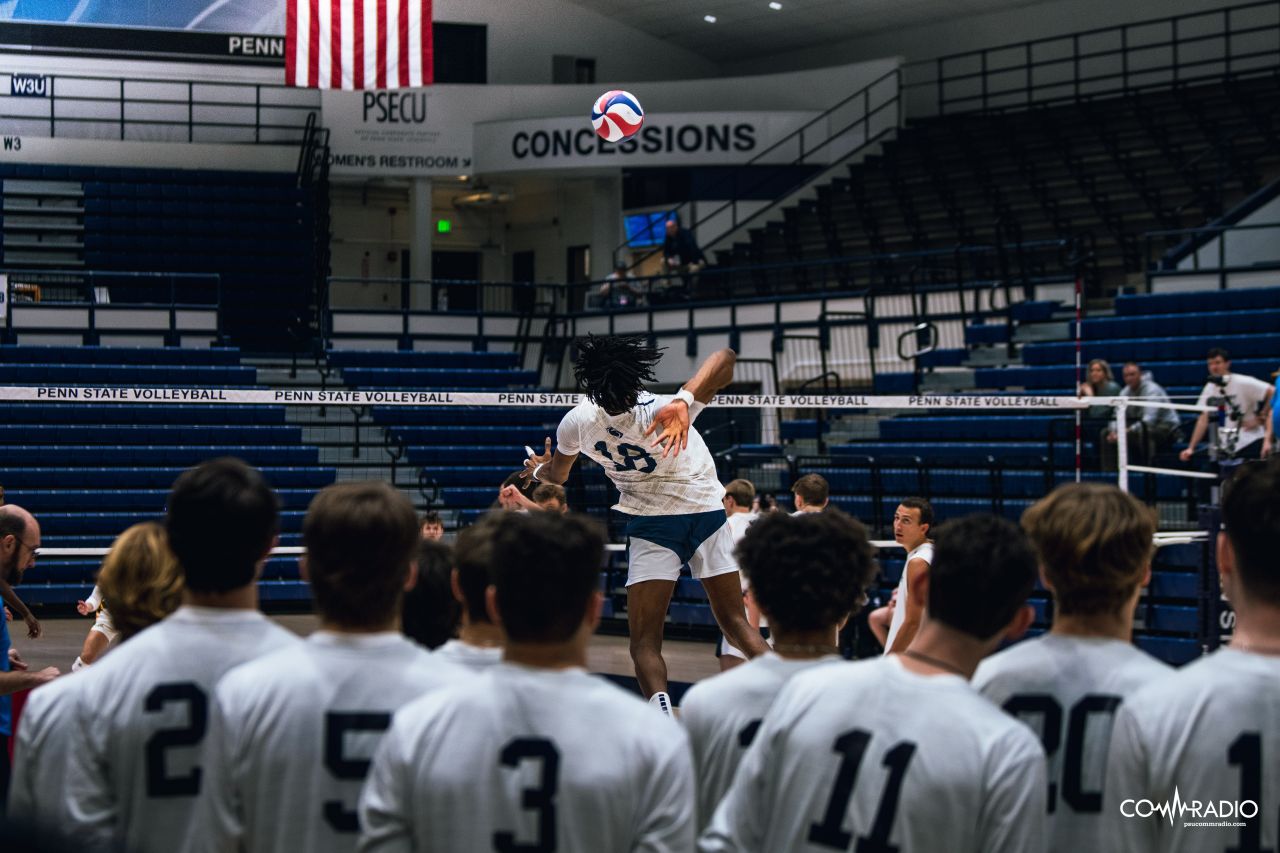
x=358 y=44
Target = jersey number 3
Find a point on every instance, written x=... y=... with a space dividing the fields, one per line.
x=633 y=457
x=540 y=798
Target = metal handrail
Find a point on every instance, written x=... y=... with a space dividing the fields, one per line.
x=797 y=135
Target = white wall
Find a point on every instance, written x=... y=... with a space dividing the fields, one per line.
x=1242 y=248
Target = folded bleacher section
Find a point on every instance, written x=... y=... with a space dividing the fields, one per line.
x=89 y=470
x=255 y=230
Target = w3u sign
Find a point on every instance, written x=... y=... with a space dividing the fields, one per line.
x=28 y=86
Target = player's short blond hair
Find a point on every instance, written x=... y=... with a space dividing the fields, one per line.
x=742 y=491
x=1094 y=543
x=140 y=580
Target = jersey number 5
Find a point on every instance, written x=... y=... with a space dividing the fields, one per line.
x=541 y=799
x=342 y=766
x=633 y=456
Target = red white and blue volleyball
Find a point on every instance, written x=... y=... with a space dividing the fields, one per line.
x=616 y=115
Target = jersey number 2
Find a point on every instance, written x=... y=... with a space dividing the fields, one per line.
x=633 y=456
x=541 y=799
x=159 y=782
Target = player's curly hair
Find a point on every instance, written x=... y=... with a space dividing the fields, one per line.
x=807 y=572
x=611 y=370
x=140 y=580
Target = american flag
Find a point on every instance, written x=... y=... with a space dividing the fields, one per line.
x=358 y=44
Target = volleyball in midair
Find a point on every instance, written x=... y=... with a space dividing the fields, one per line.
x=616 y=115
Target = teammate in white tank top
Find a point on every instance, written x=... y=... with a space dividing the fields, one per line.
x=142 y=712
x=739 y=495
x=1094 y=543
x=900 y=752
x=535 y=754
x=807 y=573
x=911 y=523
x=1203 y=743
x=673 y=497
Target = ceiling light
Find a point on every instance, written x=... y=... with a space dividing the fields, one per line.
x=710 y=19
x=775 y=6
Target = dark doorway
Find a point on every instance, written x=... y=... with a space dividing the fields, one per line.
x=524 y=291
x=577 y=270
x=455 y=267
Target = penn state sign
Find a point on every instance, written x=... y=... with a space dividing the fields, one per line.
x=28 y=86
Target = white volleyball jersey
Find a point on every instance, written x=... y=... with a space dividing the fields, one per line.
x=530 y=759
x=37 y=789
x=922 y=552
x=142 y=716
x=647 y=483
x=1191 y=751
x=474 y=658
x=292 y=736
x=722 y=715
x=871 y=755
x=738 y=523
x=1242 y=398
x=1067 y=689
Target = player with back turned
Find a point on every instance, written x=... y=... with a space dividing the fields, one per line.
x=673 y=499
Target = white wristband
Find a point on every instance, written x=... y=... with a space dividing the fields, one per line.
x=684 y=395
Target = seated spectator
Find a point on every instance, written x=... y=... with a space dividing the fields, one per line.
x=1099 y=383
x=618 y=290
x=681 y=255
x=1151 y=429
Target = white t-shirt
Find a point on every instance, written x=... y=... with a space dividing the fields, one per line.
x=920 y=552
x=559 y=759
x=1241 y=395
x=871 y=752
x=722 y=715
x=474 y=658
x=37 y=789
x=647 y=483
x=1206 y=733
x=1067 y=689
x=141 y=718
x=292 y=735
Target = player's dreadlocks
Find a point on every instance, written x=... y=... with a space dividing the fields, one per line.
x=612 y=370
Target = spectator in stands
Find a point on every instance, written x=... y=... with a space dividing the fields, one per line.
x=551 y=497
x=1151 y=429
x=1248 y=430
x=617 y=290
x=811 y=493
x=681 y=255
x=142 y=579
x=430 y=612
x=431 y=525
x=1098 y=383
x=19 y=539
x=478 y=645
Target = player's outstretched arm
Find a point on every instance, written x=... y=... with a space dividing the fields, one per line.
x=673 y=419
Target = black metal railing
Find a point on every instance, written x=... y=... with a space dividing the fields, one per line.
x=160 y=110
x=101 y=291
x=1225 y=42
x=868 y=103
